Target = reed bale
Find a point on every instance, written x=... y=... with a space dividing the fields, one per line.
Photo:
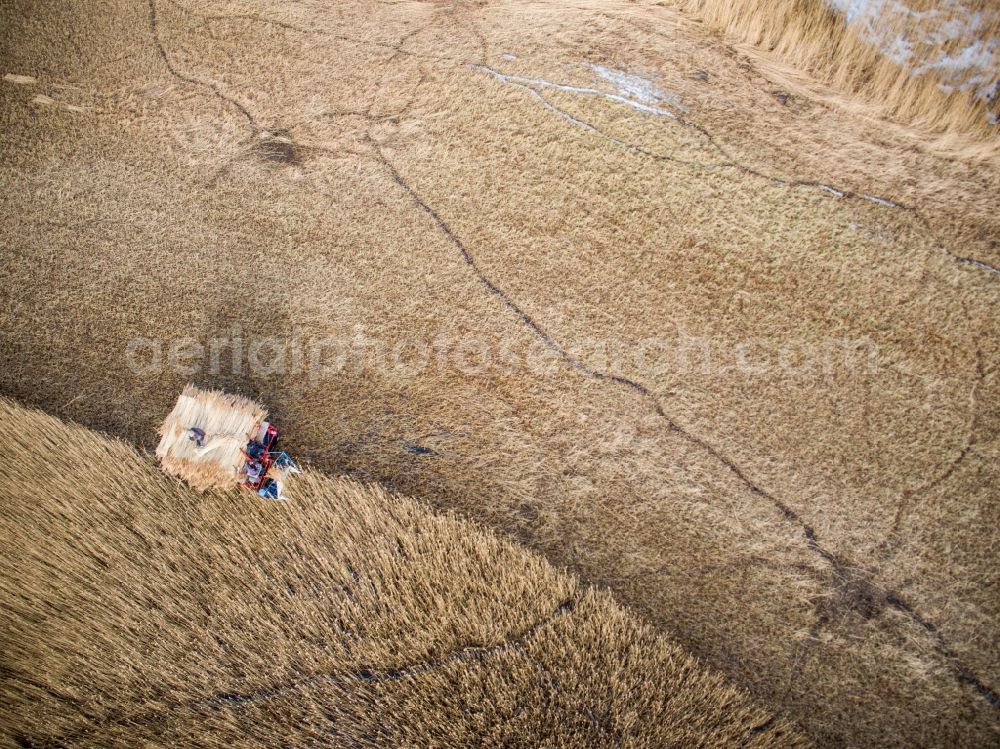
x=228 y=421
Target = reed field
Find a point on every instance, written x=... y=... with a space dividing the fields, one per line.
x=933 y=64
x=137 y=612
x=707 y=320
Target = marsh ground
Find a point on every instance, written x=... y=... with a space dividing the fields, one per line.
x=495 y=176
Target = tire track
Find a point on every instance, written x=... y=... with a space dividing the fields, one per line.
x=360 y=676
x=210 y=85
x=375 y=676
x=907 y=496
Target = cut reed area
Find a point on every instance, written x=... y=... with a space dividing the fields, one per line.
x=136 y=612
x=582 y=272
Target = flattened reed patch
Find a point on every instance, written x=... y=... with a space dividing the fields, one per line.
x=278 y=147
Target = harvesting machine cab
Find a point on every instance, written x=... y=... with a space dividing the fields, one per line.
x=261 y=454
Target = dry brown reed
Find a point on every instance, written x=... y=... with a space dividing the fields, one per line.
x=809 y=35
x=137 y=612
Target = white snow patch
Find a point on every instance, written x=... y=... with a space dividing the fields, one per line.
x=978 y=263
x=881 y=201
x=637 y=88
x=973 y=67
x=531 y=83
